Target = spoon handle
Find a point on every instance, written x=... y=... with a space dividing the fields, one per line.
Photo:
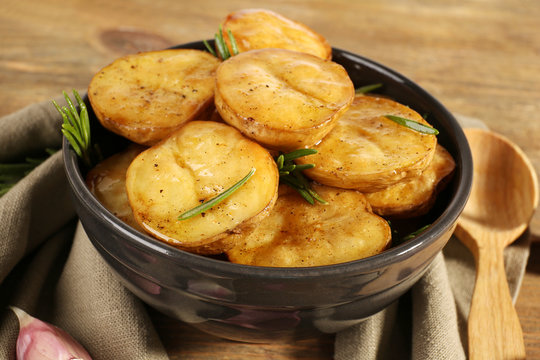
x=493 y=325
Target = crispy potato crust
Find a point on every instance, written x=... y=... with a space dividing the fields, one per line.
x=260 y=28
x=416 y=196
x=282 y=99
x=368 y=152
x=297 y=234
x=193 y=165
x=107 y=181
x=146 y=96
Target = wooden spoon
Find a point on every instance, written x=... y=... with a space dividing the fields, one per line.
x=503 y=198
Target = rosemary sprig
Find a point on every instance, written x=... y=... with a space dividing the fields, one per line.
x=76 y=128
x=291 y=174
x=411 y=124
x=368 y=88
x=216 y=200
x=11 y=173
x=223 y=51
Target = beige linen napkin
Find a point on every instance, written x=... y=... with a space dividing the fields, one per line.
x=49 y=268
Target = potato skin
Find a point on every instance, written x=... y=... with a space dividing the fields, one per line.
x=282 y=99
x=146 y=96
x=297 y=234
x=107 y=181
x=193 y=165
x=416 y=196
x=260 y=28
x=368 y=152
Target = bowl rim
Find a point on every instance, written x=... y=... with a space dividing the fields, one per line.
x=393 y=255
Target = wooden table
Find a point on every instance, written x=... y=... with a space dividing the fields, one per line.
x=479 y=58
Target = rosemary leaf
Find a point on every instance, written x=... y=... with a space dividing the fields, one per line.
x=76 y=129
x=415 y=233
x=290 y=181
x=367 y=88
x=291 y=174
x=84 y=119
x=279 y=161
x=234 y=46
x=75 y=122
x=71 y=110
x=302 y=167
x=216 y=200
x=74 y=143
x=222 y=49
x=413 y=125
x=209 y=48
x=306 y=195
x=289 y=167
x=316 y=196
x=298 y=153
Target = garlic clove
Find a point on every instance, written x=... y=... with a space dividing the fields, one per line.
x=40 y=340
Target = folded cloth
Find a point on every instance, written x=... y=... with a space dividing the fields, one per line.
x=49 y=268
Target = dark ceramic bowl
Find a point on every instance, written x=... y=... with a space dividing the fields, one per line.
x=261 y=304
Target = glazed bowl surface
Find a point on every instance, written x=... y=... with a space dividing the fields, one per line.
x=263 y=304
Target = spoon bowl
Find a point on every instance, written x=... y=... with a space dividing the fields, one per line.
x=503 y=197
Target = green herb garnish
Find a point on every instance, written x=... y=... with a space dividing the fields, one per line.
x=291 y=174
x=11 y=173
x=76 y=128
x=368 y=88
x=216 y=200
x=415 y=233
x=414 y=125
x=223 y=51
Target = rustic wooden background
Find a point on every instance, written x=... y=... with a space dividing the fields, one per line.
x=480 y=58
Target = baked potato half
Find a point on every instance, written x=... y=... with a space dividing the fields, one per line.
x=282 y=99
x=297 y=234
x=416 y=196
x=146 y=96
x=194 y=164
x=260 y=28
x=368 y=152
x=107 y=181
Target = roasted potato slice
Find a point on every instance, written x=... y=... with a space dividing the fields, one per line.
x=282 y=99
x=146 y=96
x=107 y=181
x=416 y=196
x=297 y=234
x=260 y=28
x=193 y=165
x=368 y=152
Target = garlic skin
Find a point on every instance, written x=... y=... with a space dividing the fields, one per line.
x=40 y=340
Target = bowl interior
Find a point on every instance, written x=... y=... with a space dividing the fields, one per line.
x=362 y=71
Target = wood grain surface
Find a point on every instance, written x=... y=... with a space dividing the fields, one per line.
x=480 y=58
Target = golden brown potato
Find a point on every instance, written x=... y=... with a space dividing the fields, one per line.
x=193 y=165
x=416 y=196
x=107 y=181
x=145 y=97
x=260 y=28
x=282 y=99
x=368 y=152
x=299 y=234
